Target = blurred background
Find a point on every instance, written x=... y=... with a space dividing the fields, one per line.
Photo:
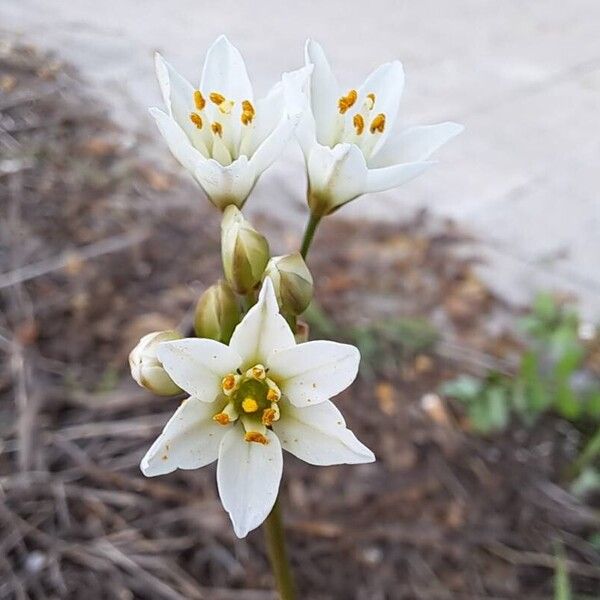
x=473 y=293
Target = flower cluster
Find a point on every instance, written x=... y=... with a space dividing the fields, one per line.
x=254 y=385
x=352 y=139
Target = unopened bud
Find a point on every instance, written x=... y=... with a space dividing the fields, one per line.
x=245 y=252
x=217 y=313
x=292 y=281
x=147 y=370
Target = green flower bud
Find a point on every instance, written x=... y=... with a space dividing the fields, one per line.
x=245 y=252
x=217 y=313
x=292 y=281
x=147 y=370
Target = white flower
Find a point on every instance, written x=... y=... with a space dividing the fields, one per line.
x=351 y=140
x=217 y=131
x=249 y=400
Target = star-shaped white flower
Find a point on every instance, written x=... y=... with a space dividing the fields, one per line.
x=351 y=139
x=217 y=131
x=249 y=400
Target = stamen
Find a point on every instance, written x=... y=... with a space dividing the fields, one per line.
x=345 y=102
x=249 y=405
x=359 y=123
x=248 y=112
x=226 y=106
x=199 y=100
x=217 y=128
x=257 y=372
x=378 y=123
x=255 y=436
x=196 y=119
x=273 y=395
x=222 y=418
x=371 y=97
x=216 y=98
x=229 y=383
x=268 y=416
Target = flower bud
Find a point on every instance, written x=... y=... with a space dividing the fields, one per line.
x=217 y=313
x=147 y=370
x=245 y=252
x=292 y=281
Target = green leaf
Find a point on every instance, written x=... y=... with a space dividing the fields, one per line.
x=464 y=388
x=589 y=453
x=498 y=408
x=537 y=398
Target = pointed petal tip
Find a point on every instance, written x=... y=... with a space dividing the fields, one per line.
x=311 y=46
x=222 y=41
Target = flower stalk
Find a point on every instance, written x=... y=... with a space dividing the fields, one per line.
x=276 y=548
x=309 y=234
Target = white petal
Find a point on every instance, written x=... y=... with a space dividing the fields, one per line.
x=387 y=83
x=324 y=93
x=248 y=476
x=225 y=71
x=178 y=95
x=226 y=185
x=415 y=144
x=178 y=142
x=269 y=111
x=387 y=178
x=198 y=365
x=298 y=107
x=272 y=147
x=338 y=174
x=262 y=330
x=313 y=372
x=294 y=84
x=318 y=435
x=189 y=440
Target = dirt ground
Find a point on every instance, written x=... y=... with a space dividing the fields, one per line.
x=98 y=248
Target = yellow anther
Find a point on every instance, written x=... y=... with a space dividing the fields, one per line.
x=216 y=98
x=196 y=119
x=217 y=128
x=249 y=405
x=371 y=97
x=255 y=436
x=359 y=123
x=345 y=102
x=222 y=418
x=258 y=372
x=248 y=112
x=269 y=415
x=199 y=100
x=273 y=395
x=378 y=123
x=228 y=382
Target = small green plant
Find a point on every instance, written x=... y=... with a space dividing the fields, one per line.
x=550 y=376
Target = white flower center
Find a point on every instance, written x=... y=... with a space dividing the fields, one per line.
x=361 y=126
x=253 y=398
x=223 y=126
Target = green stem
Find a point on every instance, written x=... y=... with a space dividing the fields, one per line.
x=309 y=234
x=275 y=537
